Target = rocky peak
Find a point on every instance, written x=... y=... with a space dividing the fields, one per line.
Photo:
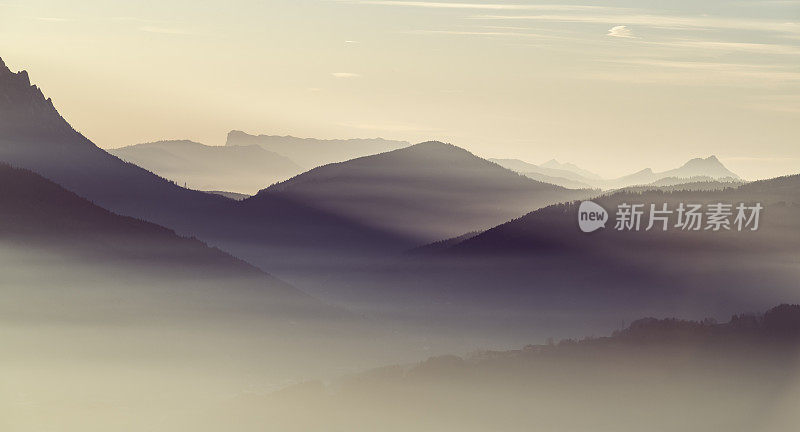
x=24 y=110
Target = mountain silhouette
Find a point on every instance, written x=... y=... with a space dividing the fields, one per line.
x=243 y=169
x=554 y=164
x=36 y=137
x=310 y=152
x=553 y=172
x=678 y=270
x=569 y=175
x=540 y=271
x=25 y=111
x=41 y=217
x=427 y=191
x=709 y=167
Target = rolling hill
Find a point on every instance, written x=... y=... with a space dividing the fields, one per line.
x=45 y=227
x=428 y=191
x=544 y=257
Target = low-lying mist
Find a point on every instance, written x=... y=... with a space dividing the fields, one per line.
x=95 y=344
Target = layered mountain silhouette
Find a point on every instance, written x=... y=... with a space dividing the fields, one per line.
x=427 y=191
x=553 y=172
x=569 y=167
x=40 y=219
x=319 y=226
x=243 y=169
x=310 y=152
x=540 y=273
x=569 y=175
x=36 y=137
x=676 y=270
x=698 y=167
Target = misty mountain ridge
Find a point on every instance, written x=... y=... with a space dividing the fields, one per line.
x=554 y=164
x=428 y=191
x=259 y=232
x=311 y=152
x=709 y=167
x=564 y=175
x=241 y=169
x=38 y=216
x=676 y=269
x=570 y=175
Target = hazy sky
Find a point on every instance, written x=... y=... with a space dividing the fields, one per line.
x=613 y=86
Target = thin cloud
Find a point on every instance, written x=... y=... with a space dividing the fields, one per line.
x=484 y=33
x=483 y=6
x=700 y=73
x=163 y=30
x=660 y=21
x=620 y=31
x=760 y=48
x=53 y=19
x=345 y=75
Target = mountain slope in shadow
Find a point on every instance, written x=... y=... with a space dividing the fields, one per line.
x=427 y=191
x=39 y=215
x=545 y=255
x=102 y=307
x=34 y=136
x=244 y=169
x=540 y=274
x=310 y=152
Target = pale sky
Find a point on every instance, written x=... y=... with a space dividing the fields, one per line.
x=613 y=86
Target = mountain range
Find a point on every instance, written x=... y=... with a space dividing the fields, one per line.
x=36 y=137
x=241 y=169
x=310 y=152
x=677 y=270
x=427 y=191
x=570 y=175
x=539 y=274
x=338 y=229
x=290 y=223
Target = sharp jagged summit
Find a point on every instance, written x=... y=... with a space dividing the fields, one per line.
x=25 y=111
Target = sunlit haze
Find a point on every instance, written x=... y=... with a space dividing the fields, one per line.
x=614 y=88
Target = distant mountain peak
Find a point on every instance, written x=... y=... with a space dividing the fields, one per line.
x=710 y=166
x=709 y=161
x=554 y=164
